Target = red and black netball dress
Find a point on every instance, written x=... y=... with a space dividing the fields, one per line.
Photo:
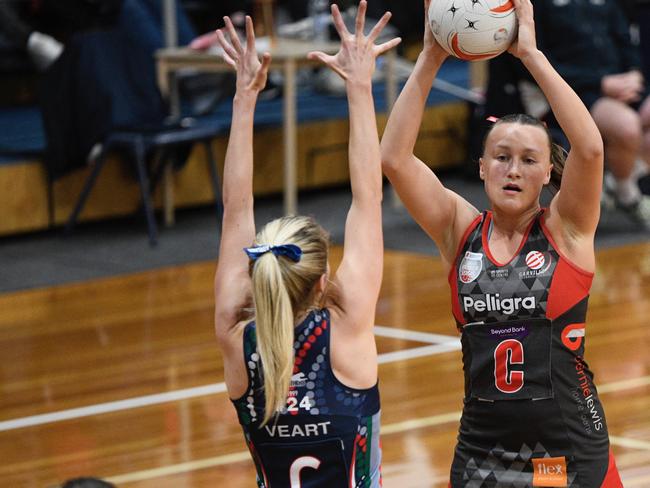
x=328 y=435
x=531 y=413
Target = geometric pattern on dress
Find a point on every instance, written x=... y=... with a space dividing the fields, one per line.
x=514 y=280
x=507 y=469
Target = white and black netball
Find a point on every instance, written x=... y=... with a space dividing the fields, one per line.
x=473 y=29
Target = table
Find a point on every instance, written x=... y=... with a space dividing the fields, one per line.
x=287 y=55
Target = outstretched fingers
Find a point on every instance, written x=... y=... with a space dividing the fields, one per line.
x=232 y=33
x=327 y=60
x=337 y=18
x=361 y=18
x=230 y=56
x=377 y=29
x=318 y=56
x=379 y=26
x=266 y=62
x=250 y=36
x=387 y=46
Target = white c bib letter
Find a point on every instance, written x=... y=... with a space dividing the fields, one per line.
x=298 y=465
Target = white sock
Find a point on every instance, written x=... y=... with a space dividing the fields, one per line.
x=627 y=191
x=43 y=49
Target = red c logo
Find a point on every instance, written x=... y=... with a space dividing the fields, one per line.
x=508 y=352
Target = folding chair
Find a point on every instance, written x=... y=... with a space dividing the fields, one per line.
x=139 y=142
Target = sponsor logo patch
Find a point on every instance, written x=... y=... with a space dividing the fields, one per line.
x=572 y=336
x=298 y=380
x=549 y=472
x=470 y=267
x=512 y=332
x=588 y=405
x=499 y=273
x=494 y=303
x=537 y=263
x=535 y=260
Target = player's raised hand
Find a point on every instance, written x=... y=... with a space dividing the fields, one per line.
x=251 y=72
x=430 y=45
x=355 y=61
x=525 y=43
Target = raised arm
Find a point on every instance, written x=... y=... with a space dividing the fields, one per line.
x=232 y=284
x=434 y=208
x=358 y=278
x=578 y=203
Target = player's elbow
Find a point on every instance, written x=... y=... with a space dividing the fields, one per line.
x=223 y=329
x=598 y=149
x=390 y=158
x=591 y=150
x=219 y=335
x=226 y=314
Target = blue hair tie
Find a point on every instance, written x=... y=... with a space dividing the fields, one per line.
x=290 y=251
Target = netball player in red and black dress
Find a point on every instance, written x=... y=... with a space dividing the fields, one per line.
x=520 y=277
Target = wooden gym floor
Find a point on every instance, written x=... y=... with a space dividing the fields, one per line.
x=120 y=378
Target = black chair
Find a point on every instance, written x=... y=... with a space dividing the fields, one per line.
x=139 y=143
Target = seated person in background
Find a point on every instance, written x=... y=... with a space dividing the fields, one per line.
x=589 y=44
x=105 y=80
x=41 y=28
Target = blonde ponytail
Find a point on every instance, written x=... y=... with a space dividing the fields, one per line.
x=275 y=322
x=282 y=289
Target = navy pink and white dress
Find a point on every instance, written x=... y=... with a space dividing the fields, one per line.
x=328 y=434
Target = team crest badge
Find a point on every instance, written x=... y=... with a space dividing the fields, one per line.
x=470 y=267
x=535 y=260
x=539 y=262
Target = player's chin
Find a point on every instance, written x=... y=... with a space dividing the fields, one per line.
x=512 y=204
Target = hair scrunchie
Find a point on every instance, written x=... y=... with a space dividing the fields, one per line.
x=290 y=251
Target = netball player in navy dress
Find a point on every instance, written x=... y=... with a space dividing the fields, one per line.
x=302 y=374
x=520 y=277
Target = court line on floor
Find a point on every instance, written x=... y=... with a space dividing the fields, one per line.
x=628 y=442
x=624 y=384
x=417 y=352
x=180 y=468
x=437 y=347
x=452 y=344
x=212 y=462
x=413 y=335
x=116 y=406
x=394 y=428
x=643 y=481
